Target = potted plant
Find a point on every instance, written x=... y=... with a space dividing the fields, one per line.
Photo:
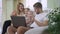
x=54 y=21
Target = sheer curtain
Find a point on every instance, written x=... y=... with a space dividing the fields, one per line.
x=29 y=3
x=0 y=11
x=0 y=14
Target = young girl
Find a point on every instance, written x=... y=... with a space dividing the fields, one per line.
x=29 y=15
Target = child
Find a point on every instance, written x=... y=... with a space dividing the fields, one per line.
x=29 y=16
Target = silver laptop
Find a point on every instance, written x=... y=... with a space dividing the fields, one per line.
x=18 y=21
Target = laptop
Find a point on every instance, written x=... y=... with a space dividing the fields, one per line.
x=18 y=21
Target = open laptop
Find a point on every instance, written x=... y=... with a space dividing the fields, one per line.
x=18 y=21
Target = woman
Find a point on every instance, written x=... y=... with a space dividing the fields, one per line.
x=19 y=12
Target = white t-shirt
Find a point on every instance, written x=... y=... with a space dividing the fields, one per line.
x=39 y=17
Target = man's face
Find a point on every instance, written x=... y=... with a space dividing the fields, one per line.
x=37 y=10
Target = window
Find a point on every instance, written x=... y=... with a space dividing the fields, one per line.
x=29 y=3
x=44 y=4
x=0 y=11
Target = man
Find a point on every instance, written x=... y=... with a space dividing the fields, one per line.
x=40 y=17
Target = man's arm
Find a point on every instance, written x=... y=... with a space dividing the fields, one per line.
x=45 y=23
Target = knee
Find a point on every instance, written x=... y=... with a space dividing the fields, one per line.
x=20 y=28
x=9 y=28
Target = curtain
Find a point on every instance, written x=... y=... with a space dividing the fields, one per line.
x=0 y=11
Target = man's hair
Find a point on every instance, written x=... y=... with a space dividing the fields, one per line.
x=37 y=5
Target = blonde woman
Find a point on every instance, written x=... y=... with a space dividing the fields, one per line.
x=20 y=12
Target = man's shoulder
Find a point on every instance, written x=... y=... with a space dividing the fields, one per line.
x=41 y=15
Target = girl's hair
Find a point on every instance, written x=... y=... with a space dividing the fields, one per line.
x=27 y=8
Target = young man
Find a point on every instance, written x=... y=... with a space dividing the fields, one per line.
x=40 y=17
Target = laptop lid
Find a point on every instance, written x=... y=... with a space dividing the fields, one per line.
x=18 y=21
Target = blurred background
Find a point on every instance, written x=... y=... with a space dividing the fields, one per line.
x=7 y=6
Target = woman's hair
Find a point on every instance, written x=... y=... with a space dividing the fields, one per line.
x=20 y=4
x=18 y=7
x=37 y=5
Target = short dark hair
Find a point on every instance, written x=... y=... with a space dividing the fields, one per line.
x=38 y=5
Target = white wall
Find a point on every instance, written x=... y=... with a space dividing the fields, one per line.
x=53 y=3
x=7 y=8
x=3 y=11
